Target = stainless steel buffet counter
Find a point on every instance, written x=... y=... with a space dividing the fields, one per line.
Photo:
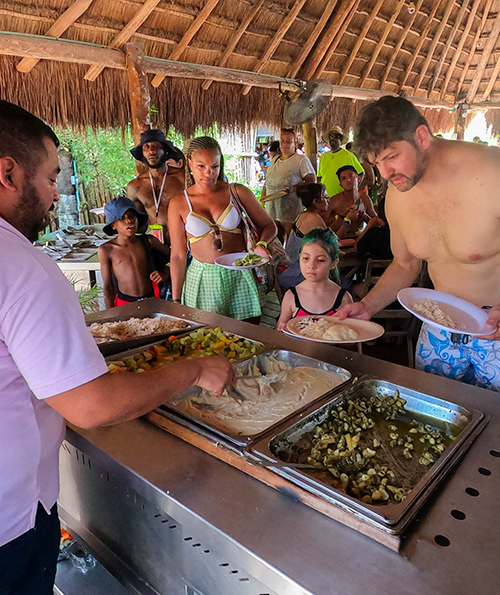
x=166 y=517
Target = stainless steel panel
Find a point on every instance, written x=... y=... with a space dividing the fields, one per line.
x=292 y=359
x=436 y=411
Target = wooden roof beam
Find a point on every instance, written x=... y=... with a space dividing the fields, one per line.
x=420 y=43
x=64 y=22
x=444 y=53
x=432 y=48
x=74 y=52
x=324 y=58
x=236 y=37
x=400 y=43
x=313 y=38
x=381 y=42
x=274 y=43
x=188 y=36
x=458 y=50
x=360 y=40
x=125 y=34
x=473 y=49
x=481 y=67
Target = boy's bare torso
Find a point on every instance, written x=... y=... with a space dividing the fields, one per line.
x=451 y=219
x=129 y=265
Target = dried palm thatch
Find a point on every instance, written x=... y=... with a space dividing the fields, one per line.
x=437 y=49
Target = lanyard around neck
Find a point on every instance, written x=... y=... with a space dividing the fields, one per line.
x=157 y=199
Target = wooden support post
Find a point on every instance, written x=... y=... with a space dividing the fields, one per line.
x=310 y=143
x=460 y=122
x=140 y=99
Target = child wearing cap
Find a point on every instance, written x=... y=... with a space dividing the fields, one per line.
x=128 y=266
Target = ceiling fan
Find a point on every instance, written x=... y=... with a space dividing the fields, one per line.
x=311 y=99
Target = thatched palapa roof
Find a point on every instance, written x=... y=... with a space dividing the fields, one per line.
x=438 y=51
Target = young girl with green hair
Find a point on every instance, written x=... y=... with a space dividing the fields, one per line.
x=318 y=294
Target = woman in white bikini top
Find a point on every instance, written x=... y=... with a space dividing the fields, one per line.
x=207 y=214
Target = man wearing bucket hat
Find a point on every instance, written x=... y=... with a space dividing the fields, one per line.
x=334 y=159
x=129 y=262
x=152 y=190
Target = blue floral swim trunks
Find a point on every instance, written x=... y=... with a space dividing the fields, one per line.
x=459 y=357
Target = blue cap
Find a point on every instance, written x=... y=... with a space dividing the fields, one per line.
x=115 y=209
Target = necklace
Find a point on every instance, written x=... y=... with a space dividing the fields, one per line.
x=157 y=199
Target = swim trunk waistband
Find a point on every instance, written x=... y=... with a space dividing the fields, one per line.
x=122 y=298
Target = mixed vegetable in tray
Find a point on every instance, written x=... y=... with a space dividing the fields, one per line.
x=371 y=448
x=204 y=342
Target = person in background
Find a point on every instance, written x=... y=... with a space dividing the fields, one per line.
x=341 y=205
x=428 y=208
x=128 y=268
x=331 y=161
x=375 y=239
x=50 y=365
x=152 y=190
x=315 y=202
x=274 y=149
x=317 y=294
x=207 y=216
x=285 y=172
x=368 y=183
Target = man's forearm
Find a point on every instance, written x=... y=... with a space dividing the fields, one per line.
x=397 y=276
x=119 y=397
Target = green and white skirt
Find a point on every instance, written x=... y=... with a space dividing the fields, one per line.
x=212 y=288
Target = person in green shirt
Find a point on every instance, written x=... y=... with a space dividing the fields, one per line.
x=336 y=158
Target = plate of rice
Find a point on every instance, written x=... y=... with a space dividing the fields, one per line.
x=444 y=311
x=327 y=329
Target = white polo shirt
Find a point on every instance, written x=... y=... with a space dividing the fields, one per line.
x=45 y=350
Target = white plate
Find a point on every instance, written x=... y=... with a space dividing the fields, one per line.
x=367 y=330
x=468 y=319
x=227 y=261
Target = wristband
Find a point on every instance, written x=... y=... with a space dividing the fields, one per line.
x=346 y=224
x=177 y=301
x=261 y=243
x=347 y=220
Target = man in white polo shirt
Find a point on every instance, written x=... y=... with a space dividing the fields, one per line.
x=50 y=367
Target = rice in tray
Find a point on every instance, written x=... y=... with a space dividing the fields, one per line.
x=135 y=327
x=432 y=311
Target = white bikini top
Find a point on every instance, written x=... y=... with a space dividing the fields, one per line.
x=199 y=226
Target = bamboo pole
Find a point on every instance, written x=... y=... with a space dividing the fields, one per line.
x=236 y=37
x=276 y=40
x=125 y=34
x=188 y=36
x=63 y=23
x=311 y=143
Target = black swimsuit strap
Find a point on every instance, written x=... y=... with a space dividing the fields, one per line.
x=334 y=308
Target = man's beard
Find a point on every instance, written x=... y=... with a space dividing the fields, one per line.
x=411 y=181
x=161 y=161
x=31 y=217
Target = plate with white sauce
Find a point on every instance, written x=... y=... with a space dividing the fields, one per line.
x=228 y=261
x=328 y=329
x=446 y=312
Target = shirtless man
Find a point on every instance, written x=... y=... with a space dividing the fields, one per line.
x=152 y=190
x=432 y=218
x=340 y=204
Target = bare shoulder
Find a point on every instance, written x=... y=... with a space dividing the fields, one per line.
x=106 y=249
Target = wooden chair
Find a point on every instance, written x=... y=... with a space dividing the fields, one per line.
x=408 y=325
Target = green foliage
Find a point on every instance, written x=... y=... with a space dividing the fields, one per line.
x=101 y=154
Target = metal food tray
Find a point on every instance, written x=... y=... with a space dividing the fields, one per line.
x=293 y=359
x=115 y=346
x=131 y=352
x=393 y=517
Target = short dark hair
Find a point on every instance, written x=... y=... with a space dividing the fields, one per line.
x=346 y=168
x=348 y=145
x=22 y=135
x=308 y=193
x=383 y=122
x=275 y=146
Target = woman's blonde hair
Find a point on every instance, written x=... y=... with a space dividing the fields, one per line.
x=203 y=142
